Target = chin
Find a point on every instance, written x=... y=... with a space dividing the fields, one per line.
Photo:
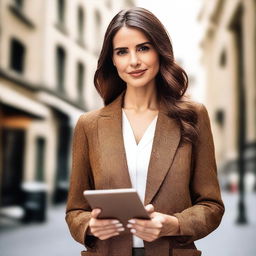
x=138 y=85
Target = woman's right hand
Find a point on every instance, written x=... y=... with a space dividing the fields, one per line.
x=104 y=228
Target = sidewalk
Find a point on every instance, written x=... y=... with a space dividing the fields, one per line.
x=53 y=239
x=231 y=239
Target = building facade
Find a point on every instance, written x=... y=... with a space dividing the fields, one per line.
x=229 y=57
x=48 y=56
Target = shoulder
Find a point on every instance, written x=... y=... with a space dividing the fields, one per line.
x=108 y=110
x=203 y=119
x=89 y=116
x=199 y=109
x=189 y=104
x=89 y=119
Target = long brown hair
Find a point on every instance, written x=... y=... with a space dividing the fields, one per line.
x=171 y=80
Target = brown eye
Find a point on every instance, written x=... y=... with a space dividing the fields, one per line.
x=121 y=52
x=143 y=48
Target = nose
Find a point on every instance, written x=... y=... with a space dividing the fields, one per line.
x=134 y=59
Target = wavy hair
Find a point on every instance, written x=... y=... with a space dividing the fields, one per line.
x=171 y=80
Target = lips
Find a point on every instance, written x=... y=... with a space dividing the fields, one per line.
x=137 y=73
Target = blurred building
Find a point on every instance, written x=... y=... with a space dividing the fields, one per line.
x=229 y=57
x=49 y=51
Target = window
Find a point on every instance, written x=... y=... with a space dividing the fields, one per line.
x=80 y=81
x=223 y=58
x=220 y=117
x=40 y=151
x=109 y=4
x=97 y=31
x=60 y=61
x=17 y=56
x=129 y=3
x=19 y=3
x=97 y=21
x=61 y=11
x=17 y=9
x=80 y=23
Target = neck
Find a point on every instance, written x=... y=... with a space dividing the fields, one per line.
x=140 y=99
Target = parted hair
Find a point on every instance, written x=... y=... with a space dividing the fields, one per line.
x=171 y=80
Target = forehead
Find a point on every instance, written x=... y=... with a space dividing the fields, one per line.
x=126 y=36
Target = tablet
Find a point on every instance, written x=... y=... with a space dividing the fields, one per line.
x=121 y=204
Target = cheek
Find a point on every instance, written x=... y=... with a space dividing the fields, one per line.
x=153 y=61
x=155 y=64
x=120 y=64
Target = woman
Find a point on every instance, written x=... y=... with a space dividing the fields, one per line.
x=148 y=136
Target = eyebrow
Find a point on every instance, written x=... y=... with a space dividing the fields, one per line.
x=138 y=45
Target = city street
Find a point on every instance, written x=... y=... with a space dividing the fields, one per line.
x=231 y=239
x=53 y=239
x=65 y=67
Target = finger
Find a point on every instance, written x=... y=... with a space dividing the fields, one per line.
x=104 y=223
x=107 y=232
x=95 y=213
x=105 y=237
x=150 y=231
x=159 y=218
x=144 y=236
x=150 y=208
x=153 y=223
x=146 y=229
x=103 y=227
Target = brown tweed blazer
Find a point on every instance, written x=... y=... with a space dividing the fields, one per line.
x=181 y=181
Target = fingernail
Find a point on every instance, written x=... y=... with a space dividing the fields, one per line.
x=119 y=225
x=115 y=222
x=133 y=230
x=129 y=225
x=120 y=229
x=131 y=221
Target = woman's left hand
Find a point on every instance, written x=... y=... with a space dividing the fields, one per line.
x=159 y=225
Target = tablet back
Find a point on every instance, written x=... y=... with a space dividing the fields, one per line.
x=121 y=204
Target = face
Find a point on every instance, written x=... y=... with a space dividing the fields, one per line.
x=135 y=58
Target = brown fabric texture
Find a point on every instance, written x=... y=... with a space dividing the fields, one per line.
x=174 y=186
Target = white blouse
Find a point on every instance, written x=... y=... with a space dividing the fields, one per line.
x=138 y=156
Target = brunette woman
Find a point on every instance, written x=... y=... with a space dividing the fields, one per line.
x=150 y=137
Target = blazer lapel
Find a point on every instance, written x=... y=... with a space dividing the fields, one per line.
x=112 y=151
x=165 y=144
x=111 y=146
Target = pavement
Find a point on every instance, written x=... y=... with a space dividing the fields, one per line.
x=232 y=239
x=52 y=238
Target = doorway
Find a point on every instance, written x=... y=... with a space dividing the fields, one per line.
x=12 y=166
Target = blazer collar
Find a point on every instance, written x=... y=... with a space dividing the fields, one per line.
x=114 y=109
x=113 y=157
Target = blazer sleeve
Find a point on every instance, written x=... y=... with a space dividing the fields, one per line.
x=78 y=212
x=207 y=207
